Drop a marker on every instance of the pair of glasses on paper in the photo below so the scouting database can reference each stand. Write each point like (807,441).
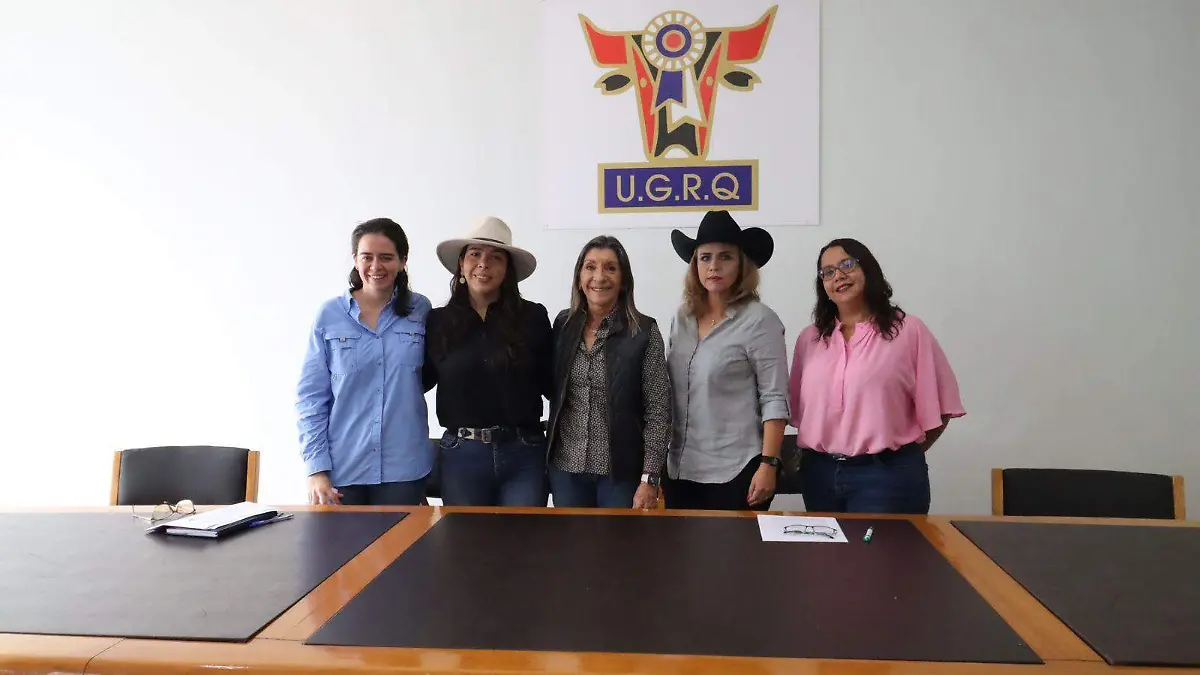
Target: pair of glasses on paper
(183,507)
(811,530)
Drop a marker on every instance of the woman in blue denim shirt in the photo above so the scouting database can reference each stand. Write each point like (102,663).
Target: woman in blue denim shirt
(364,425)
(489,353)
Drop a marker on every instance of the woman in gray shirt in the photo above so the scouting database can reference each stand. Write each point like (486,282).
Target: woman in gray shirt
(728,367)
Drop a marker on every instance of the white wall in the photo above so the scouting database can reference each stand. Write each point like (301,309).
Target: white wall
(178,181)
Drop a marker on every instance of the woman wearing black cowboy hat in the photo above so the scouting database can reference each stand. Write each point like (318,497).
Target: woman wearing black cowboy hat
(729,373)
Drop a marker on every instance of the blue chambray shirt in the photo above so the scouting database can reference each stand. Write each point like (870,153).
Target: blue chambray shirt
(361,404)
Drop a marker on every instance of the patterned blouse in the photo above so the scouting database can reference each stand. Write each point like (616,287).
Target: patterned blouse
(582,445)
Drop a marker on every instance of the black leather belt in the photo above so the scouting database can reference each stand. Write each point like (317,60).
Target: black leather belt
(495,434)
(880,457)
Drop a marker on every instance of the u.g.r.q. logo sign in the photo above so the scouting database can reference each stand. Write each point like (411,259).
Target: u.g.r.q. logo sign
(675,66)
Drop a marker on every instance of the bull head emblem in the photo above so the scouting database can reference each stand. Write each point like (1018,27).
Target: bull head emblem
(676,66)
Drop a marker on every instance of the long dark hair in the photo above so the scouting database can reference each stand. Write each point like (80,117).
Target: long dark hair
(877,292)
(392,230)
(506,315)
(626,307)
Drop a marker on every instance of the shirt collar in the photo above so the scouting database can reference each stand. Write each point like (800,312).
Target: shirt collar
(731,311)
(351,305)
(860,329)
(609,318)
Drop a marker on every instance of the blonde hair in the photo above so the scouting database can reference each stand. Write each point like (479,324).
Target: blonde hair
(745,287)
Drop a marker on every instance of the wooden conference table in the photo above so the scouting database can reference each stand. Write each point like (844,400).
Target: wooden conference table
(456,593)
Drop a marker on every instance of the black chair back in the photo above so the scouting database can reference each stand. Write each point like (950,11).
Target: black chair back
(788,481)
(207,475)
(1086,493)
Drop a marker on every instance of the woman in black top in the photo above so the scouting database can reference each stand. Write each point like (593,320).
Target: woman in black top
(488,351)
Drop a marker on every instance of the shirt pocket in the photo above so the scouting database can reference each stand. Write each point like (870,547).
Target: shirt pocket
(343,351)
(409,343)
(733,362)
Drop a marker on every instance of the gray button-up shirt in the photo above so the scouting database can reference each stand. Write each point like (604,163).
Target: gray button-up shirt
(725,386)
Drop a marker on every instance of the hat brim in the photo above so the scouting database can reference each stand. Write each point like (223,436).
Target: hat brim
(524,261)
(684,245)
(756,243)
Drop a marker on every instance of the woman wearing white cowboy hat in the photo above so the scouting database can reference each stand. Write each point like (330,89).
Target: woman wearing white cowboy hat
(728,365)
(488,352)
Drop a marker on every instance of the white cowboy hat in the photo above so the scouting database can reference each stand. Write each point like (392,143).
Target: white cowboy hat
(491,231)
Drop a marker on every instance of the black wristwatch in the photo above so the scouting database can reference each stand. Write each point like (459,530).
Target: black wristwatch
(651,479)
(773,461)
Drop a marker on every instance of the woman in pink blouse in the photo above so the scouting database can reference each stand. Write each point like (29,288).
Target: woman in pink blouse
(870,392)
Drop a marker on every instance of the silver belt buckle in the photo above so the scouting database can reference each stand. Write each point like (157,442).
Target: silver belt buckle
(483,435)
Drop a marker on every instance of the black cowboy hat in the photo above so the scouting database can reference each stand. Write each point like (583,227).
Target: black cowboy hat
(720,227)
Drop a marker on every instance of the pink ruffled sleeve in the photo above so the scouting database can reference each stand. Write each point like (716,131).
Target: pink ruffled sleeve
(936,391)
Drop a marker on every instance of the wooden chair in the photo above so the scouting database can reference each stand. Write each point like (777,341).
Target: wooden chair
(1086,493)
(207,475)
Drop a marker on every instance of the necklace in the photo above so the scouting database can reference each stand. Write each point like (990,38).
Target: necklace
(713,320)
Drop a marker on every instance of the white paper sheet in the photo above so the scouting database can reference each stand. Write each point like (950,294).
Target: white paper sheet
(772,528)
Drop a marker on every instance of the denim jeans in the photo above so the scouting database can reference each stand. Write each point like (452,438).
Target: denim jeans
(590,490)
(891,482)
(399,493)
(506,473)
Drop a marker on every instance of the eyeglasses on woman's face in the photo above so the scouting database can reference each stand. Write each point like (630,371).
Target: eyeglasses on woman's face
(846,266)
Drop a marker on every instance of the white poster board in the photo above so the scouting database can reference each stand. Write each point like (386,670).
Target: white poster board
(653,113)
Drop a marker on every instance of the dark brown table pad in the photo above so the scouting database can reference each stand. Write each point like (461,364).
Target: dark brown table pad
(1131,592)
(673,585)
(99,574)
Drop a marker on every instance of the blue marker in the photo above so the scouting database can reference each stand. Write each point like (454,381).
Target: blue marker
(274,519)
